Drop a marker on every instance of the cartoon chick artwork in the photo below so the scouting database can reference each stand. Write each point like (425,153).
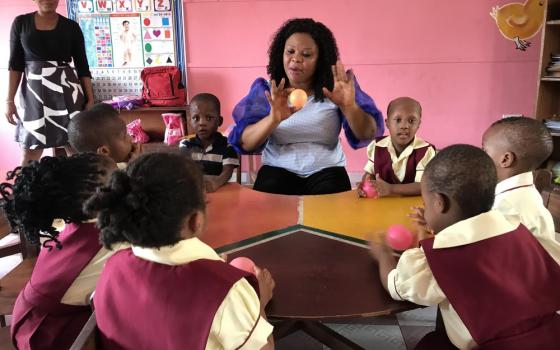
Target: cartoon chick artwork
(520,21)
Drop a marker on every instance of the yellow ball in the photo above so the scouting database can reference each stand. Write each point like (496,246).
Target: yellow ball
(297,98)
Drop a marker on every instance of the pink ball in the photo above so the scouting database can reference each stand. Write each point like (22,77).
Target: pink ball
(244,264)
(369,190)
(399,237)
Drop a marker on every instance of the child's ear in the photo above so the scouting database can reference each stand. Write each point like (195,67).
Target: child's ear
(104,150)
(387,122)
(195,224)
(507,159)
(442,203)
(220,120)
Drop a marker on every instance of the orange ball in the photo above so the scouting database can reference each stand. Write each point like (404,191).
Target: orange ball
(297,98)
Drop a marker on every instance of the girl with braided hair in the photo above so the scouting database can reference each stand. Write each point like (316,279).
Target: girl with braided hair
(53,307)
(170,287)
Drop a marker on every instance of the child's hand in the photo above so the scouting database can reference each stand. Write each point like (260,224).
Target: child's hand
(417,217)
(278,99)
(136,151)
(378,249)
(383,188)
(266,285)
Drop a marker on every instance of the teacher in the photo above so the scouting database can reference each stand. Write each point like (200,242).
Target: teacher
(42,45)
(301,149)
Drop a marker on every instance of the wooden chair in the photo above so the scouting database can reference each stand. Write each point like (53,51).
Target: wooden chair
(542,178)
(87,339)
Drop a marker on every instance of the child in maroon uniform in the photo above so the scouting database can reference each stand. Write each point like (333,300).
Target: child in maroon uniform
(54,305)
(496,287)
(171,290)
(396,162)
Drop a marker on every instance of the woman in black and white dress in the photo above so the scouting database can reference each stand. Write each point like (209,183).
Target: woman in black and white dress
(42,45)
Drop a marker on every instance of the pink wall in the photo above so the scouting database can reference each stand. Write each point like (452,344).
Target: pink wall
(448,55)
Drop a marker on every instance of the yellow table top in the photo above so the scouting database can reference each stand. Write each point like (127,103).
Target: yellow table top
(347,214)
(236,213)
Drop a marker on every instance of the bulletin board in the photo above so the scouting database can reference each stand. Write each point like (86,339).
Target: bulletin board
(124,36)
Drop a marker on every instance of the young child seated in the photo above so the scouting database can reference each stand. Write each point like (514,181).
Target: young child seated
(518,146)
(209,147)
(396,162)
(170,283)
(54,305)
(495,285)
(100,130)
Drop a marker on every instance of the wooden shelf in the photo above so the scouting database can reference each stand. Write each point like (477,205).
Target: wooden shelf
(550,79)
(554,22)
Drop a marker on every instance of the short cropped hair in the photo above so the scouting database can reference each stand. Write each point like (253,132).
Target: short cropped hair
(95,127)
(465,174)
(207,97)
(528,138)
(401,100)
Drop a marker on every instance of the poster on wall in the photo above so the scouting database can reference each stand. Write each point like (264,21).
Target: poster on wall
(124,36)
(519,22)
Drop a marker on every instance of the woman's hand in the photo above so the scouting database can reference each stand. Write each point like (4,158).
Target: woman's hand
(343,92)
(278,99)
(11,113)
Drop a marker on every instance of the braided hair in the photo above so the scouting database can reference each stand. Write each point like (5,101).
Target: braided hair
(147,204)
(328,53)
(48,189)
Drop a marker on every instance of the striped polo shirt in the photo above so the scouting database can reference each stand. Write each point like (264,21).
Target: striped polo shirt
(214,157)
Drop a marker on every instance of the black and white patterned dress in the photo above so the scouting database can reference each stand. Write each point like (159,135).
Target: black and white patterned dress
(50,92)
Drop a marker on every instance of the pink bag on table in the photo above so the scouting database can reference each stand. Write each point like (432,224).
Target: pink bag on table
(134,129)
(174,128)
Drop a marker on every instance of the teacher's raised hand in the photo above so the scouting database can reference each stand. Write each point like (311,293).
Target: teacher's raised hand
(343,92)
(278,99)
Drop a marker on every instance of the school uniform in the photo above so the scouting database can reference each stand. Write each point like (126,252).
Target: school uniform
(520,202)
(408,167)
(214,157)
(178,297)
(54,305)
(495,285)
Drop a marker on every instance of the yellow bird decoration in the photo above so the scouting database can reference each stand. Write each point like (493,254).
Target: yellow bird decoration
(519,22)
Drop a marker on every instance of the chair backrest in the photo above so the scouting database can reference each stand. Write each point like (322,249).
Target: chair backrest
(22,246)
(87,339)
(542,178)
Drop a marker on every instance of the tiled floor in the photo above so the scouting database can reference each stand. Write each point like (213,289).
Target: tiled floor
(400,332)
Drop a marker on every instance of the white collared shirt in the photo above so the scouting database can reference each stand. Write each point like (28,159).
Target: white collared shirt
(399,162)
(520,202)
(413,280)
(238,313)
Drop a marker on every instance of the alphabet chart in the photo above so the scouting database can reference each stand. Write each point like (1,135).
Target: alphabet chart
(124,36)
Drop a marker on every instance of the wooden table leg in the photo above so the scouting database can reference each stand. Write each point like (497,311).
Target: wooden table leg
(327,336)
(285,328)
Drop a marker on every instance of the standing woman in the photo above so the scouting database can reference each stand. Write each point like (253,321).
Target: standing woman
(302,151)
(42,44)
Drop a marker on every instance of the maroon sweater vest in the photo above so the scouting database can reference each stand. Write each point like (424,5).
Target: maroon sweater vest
(140,304)
(383,165)
(40,320)
(505,289)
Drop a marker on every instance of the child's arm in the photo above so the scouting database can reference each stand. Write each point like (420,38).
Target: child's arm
(386,189)
(384,256)
(212,183)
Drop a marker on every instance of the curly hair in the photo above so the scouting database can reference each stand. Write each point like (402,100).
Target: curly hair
(466,174)
(328,53)
(48,189)
(147,205)
(528,138)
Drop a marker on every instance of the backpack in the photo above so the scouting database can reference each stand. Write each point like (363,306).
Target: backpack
(162,86)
